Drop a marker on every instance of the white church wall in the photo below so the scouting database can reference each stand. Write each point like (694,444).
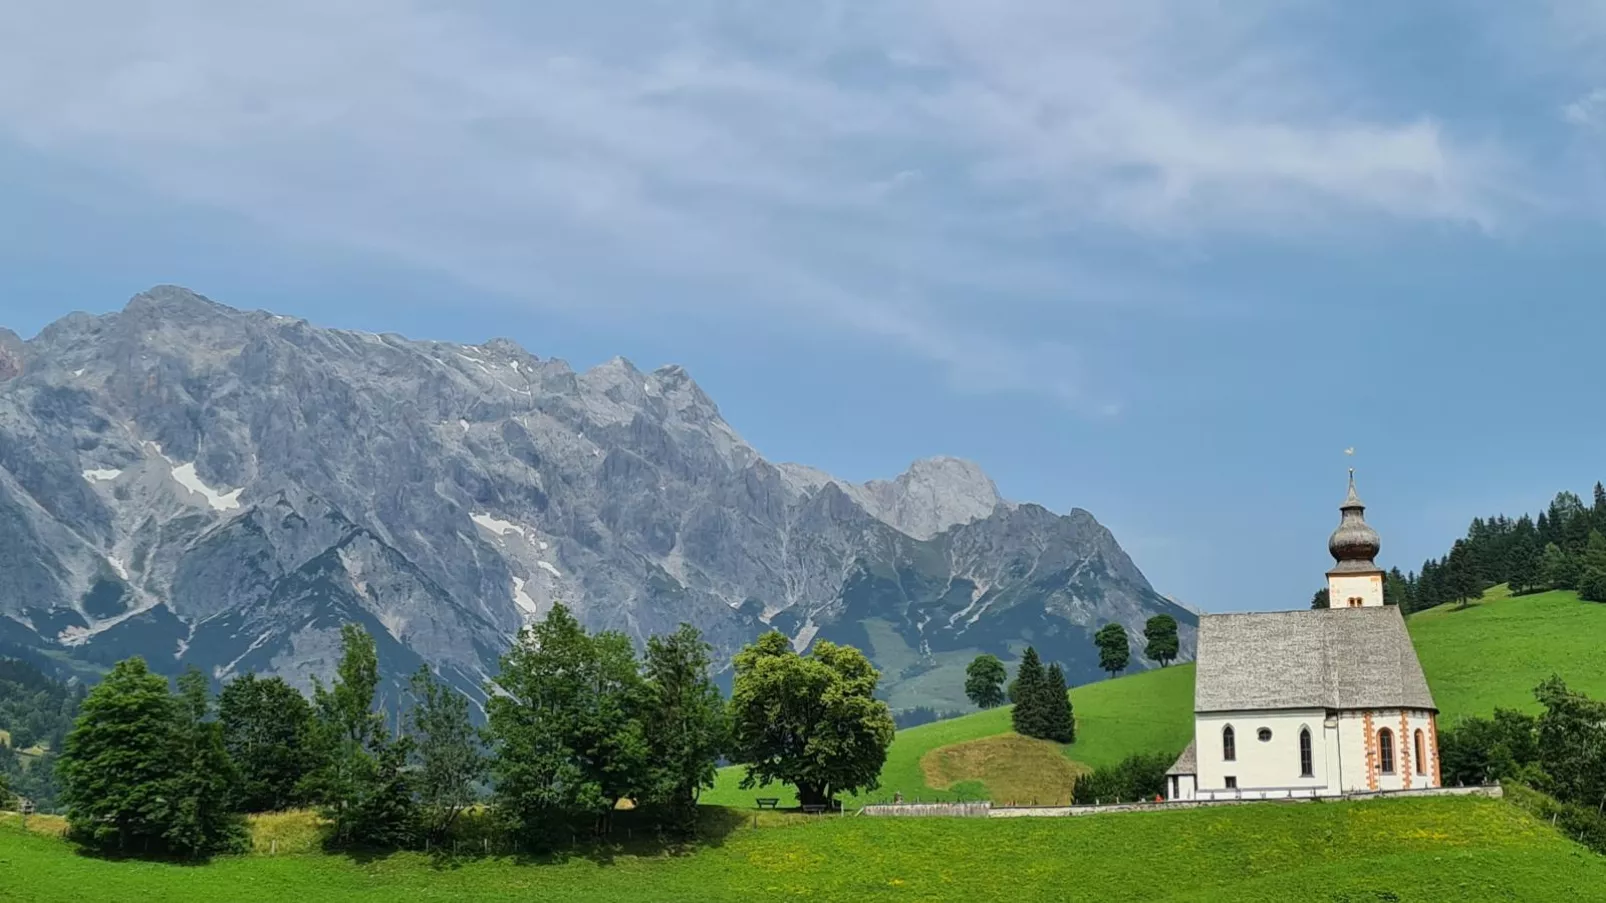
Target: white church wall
(1269,766)
(1341,588)
(1361,752)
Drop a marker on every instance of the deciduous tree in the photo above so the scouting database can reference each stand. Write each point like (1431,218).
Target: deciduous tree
(202,818)
(447,752)
(810,721)
(1114,650)
(984,681)
(118,761)
(1161,632)
(685,723)
(267,730)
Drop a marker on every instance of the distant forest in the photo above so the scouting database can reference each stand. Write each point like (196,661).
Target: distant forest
(36,712)
(1563,548)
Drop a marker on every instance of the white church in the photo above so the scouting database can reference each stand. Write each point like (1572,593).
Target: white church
(1319,702)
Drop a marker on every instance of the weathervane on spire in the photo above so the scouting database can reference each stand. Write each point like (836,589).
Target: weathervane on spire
(1350,452)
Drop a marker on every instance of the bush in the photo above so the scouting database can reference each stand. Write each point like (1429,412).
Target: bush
(1137,777)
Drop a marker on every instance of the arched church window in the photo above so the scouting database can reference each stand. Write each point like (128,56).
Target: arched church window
(1421,760)
(1307,767)
(1229,745)
(1385,750)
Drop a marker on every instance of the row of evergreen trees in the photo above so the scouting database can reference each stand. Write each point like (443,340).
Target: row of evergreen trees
(1564,547)
(1042,701)
(36,712)
(575,723)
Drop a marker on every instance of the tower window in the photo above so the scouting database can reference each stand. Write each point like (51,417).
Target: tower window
(1385,750)
(1229,745)
(1421,760)
(1355,602)
(1307,767)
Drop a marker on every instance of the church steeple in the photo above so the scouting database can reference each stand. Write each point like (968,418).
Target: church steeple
(1355,580)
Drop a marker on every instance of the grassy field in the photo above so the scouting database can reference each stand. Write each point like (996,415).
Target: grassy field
(1149,711)
(1399,850)
(1496,651)
(1491,654)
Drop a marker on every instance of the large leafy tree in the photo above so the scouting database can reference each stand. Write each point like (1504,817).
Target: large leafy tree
(984,681)
(1572,743)
(1161,632)
(363,781)
(685,723)
(117,764)
(1026,691)
(566,724)
(810,721)
(446,747)
(267,730)
(202,818)
(1114,650)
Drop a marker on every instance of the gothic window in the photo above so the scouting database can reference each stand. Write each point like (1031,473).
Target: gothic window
(1307,768)
(1229,745)
(1385,750)
(1421,760)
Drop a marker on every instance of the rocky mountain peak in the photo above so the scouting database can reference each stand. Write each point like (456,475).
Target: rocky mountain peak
(10,355)
(200,486)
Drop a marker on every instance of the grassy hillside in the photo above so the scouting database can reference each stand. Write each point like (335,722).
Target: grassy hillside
(1490,654)
(1150,711)
(1401,850)
(1494,652)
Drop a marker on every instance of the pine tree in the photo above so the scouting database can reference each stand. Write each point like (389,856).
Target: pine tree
(1557,569)
(117,767)
(1059,723)
(1322,599)
(1028,717)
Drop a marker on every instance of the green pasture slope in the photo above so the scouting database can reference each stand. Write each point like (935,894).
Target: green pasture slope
(1493,653)
(1399,850)
(1490,654)
(1149,711)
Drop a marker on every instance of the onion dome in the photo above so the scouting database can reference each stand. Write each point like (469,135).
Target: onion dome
(1354,544)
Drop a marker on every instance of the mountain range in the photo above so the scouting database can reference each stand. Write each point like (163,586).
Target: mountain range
(206,486)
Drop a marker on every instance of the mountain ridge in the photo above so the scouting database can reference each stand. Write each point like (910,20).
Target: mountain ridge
(206,485)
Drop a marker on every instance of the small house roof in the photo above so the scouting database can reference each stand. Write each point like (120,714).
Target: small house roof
(1187,763)
(1339,658)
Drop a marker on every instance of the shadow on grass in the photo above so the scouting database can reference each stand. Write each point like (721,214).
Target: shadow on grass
(633,836)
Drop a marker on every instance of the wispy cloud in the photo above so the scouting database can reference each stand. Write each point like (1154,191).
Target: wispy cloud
(891,169)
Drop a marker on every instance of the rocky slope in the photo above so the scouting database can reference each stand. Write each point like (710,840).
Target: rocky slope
(203,485)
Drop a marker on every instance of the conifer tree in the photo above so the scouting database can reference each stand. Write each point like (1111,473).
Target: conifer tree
(1320,599)
(1028,716)
(1060,723)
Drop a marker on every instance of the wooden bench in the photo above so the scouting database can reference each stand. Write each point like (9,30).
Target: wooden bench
(813,809)
(768,802)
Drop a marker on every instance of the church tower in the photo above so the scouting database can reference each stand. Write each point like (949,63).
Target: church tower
(1355,580)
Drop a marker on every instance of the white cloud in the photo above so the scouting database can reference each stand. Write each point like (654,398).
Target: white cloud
(1588,111)
(894,169)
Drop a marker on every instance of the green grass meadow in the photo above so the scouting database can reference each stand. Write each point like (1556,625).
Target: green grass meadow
(1149,711)
(1494,652)
(1397,850)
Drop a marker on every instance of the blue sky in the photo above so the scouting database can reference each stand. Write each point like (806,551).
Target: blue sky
(1160,260)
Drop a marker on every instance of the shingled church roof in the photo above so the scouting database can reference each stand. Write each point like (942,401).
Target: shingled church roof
(1340,658)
